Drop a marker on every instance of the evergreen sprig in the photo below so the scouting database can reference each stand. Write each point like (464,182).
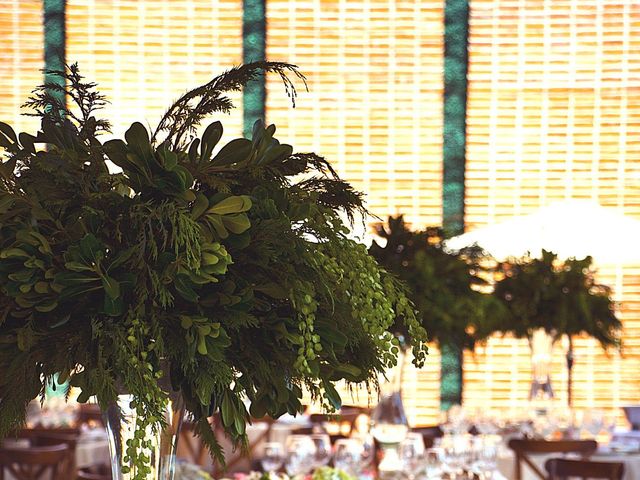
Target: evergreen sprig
(213,267)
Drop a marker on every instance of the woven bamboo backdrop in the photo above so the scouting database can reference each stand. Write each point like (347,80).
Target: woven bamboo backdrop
(21,59)
(554,114)
(146,54)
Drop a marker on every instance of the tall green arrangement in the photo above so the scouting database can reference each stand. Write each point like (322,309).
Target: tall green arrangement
(224,271)
(445,286)
(562,297)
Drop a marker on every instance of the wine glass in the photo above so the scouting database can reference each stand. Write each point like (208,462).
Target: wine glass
(348,455)
(433,463)
(300,457)
(593,421)
(272,457)
(411,454)
(454,449)
(486,456)
(322,454)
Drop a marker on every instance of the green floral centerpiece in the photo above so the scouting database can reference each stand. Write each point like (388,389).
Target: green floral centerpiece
(223,273)
(546,298)
(449,288)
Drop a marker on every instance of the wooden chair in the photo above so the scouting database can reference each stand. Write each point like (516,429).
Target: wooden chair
(52,439)
(525,447)
(95,472)
(34,463)
(429,434)
(561,468)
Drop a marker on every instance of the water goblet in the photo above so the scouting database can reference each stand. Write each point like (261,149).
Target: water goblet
(433,463)
(322,455)
(411,454)
(272,457)
(300,456)
(348,455)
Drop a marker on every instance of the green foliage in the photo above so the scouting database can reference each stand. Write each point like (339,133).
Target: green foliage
(561,297)
(443,285)
(224,270)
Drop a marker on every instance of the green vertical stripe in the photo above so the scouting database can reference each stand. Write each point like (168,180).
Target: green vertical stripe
(456,33)
(254,46)
(54,40)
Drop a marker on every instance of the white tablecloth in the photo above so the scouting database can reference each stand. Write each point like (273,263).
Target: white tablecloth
(92,449)
(506,464)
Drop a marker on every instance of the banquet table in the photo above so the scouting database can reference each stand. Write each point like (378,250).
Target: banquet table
(506,463)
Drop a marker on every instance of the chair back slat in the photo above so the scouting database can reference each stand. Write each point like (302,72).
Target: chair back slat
(522,448)
(561,468)
(35,463)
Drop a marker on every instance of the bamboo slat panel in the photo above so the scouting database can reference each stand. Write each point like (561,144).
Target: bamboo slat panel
(554,89)
(21,59)
(144,55)
(374,109)
(374,106)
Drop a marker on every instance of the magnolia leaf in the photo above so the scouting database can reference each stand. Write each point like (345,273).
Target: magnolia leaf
(210,139)
(8,132)
(216,222)
(77,267)
(111,287)
(236,223)
(193,150)
(228,410)
(233,152)
(332,395)
(13,252)
(200,205)
(233,204)
(184,288)
(46,307)
(137,138)
(28,142)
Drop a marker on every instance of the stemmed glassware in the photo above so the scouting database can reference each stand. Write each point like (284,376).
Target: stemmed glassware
(348,455)
(272,457)
(412,455)
(593,421)
(300,456)
(433,463)
(322,451)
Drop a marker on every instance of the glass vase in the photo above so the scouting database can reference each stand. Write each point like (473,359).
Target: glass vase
(389,424)
(120,420)
(541,343)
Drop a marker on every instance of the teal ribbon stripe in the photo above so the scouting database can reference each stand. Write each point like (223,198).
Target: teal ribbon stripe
(254,48)
(456,59)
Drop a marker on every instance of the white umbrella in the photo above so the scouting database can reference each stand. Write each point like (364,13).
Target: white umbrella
(574,228)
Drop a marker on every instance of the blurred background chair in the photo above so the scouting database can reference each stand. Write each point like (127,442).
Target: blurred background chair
(35,463)
(523,448)
(561,468)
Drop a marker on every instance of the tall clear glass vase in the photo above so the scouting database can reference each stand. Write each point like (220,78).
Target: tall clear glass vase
(541,343)
(389,424)
(120,420)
